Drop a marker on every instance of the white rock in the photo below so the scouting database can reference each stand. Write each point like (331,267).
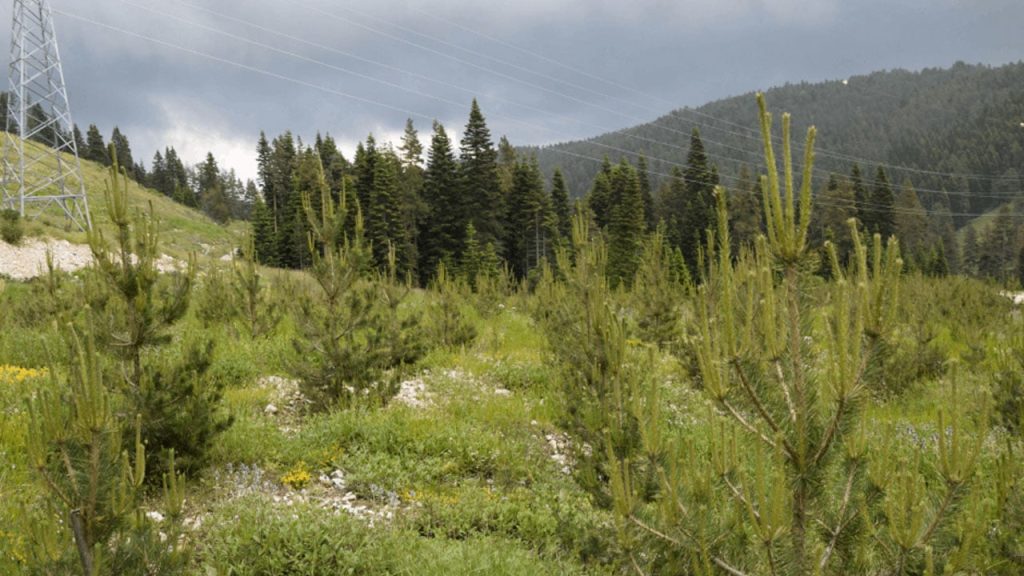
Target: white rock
(270,409)
(155,516)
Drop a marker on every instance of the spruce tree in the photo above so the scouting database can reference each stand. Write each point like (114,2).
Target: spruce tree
(478,175)
(699,181)
(384,224)
(942,227)
(80,144)
(36,117)
(599,198)
(412,207)
(95,149)
(626,229)
(283,160)
(334,163)
(644,178)
(672,203)
(560,205)
(263,236)
(293,233)
(365,169)
(411,149)
(264,176)
(883,216)
(442,234)
(971,252)
(745,214)
(830,222)
(507,160)
(124,151)
(527,239)
(861,197)
(912,226)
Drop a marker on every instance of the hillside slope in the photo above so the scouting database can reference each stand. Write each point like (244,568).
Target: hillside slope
(965,119)
(183,229)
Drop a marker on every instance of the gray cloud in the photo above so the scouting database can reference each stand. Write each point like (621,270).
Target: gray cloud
(669,53)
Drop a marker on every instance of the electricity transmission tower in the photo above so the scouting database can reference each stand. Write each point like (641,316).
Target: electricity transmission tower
(40,156)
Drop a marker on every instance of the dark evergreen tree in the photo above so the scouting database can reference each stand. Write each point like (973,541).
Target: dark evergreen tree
(916,241)
(745,214)
(293,230)
(971,252)
(600,197)
(413,209)
(507,160)
(627,226)
(178,187)
(384,222)
(478,177)
(95,149)
(411,149)
(881,215)
(38,129)
(942,227)
(699,181)
(263,236)
(560,206)
(283,161)
(837,205)
(76,135)
(364,167)
(861,197)
(158,177)
(644,178)
(442,234)
(264,175)
(124,150)
(528,239)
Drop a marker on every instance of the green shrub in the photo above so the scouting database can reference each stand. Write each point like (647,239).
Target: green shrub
(11,228)
(251,537)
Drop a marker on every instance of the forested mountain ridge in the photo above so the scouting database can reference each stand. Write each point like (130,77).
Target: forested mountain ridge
(964,120)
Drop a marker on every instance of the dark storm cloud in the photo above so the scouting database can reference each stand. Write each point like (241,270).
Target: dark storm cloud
(655,55)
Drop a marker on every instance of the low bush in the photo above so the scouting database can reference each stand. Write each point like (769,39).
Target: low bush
(11,228)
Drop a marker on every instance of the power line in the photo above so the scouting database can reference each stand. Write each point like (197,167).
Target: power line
(750,133)
(406,111)
(625,132)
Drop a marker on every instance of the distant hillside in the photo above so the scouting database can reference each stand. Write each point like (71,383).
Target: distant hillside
(965,120)
(183,229)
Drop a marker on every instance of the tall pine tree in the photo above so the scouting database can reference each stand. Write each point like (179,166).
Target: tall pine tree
(627,226)
(561,207)
(699,181)
(478,174)
(442,234)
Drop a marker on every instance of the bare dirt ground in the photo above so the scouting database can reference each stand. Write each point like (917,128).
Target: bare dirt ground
(28,259)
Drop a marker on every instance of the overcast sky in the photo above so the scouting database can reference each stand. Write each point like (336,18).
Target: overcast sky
(544,71)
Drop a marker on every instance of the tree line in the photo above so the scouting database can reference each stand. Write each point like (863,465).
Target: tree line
(477,206)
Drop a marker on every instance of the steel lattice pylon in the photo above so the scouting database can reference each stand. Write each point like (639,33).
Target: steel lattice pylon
(37,110)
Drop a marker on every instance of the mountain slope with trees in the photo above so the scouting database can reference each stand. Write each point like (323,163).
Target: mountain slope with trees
(964,120)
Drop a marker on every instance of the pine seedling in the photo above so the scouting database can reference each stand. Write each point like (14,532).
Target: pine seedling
(259,312)
(451,327)
(95,484)
(818,497)
(138,309)
(351,334)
